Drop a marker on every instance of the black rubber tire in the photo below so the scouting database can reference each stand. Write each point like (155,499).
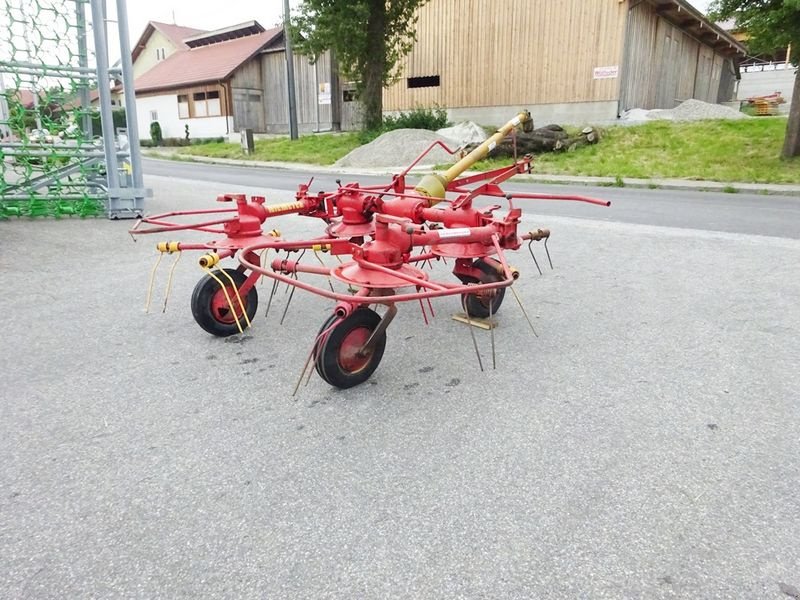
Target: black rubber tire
(319,343)
(209,319)
(328,363)
(477,306)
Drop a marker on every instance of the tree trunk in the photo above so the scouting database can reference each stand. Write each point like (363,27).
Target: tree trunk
(372,95)
(791,145)
(545,139)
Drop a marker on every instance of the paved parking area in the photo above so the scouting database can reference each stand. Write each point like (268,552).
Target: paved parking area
(644,446)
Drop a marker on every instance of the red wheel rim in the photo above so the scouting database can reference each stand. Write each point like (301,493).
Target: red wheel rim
(221,310)
(349,359)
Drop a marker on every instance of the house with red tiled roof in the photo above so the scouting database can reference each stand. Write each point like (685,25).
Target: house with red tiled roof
(157,42)
(220,82)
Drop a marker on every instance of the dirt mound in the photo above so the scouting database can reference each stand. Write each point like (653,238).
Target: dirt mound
(690,110)
(398,148)
(464,133)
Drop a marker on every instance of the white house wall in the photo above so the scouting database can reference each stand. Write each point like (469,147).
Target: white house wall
(166,108)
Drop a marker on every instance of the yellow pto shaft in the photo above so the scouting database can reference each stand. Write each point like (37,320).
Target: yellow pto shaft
(434,185)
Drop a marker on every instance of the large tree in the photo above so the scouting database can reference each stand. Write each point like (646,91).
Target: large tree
(770,24)
(368,38)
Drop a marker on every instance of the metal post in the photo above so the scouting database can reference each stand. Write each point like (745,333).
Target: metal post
(83,63)
(316,86)
(5,130)
(29,54)
(106,118)
(130,95)
(290,73)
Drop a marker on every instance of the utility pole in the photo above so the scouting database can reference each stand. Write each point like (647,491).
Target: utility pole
(290,73)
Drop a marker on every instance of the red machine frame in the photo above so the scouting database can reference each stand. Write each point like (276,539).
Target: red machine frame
(388,232)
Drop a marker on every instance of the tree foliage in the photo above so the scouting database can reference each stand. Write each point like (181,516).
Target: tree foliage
(770,25)
(369,38)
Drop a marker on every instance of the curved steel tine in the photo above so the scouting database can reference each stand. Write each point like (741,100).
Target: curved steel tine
(472,333)
(548,252)
(533,256)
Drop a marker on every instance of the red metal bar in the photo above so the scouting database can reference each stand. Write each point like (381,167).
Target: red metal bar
(450,289)
(292,266)
(183,213)
(503,173)
(569,197)
(422,257)
(399,274)
(424,153)
(167,226)
(182,247)
(404,195)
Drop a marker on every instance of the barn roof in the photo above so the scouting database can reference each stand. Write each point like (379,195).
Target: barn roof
(694,22)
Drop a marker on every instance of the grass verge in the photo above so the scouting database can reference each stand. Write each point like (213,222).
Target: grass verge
(319,149)
(746,151)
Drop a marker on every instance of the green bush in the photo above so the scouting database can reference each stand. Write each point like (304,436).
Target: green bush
(212,140)
(178,142)
(155,133)
(174,142)
(418,118)
(365,136)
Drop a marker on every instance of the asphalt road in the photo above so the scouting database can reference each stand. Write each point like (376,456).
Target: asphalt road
(645,445)
(732,213)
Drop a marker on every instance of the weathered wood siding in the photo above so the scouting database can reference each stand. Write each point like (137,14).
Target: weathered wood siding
(512,52)
(308,78)
(727,82)
(248,98)
(663,65)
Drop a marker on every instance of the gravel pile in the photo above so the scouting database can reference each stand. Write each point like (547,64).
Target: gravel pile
(690,110)
(464,133)
(398,148)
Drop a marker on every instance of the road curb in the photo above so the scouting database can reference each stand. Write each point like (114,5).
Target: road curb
(771,189)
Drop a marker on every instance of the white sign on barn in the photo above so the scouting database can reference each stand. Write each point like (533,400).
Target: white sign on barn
(606,72)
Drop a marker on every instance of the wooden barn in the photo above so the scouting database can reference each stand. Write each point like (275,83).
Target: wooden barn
(324,101)
(566,60)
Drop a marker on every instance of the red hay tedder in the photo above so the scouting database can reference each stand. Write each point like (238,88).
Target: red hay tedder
(383,237)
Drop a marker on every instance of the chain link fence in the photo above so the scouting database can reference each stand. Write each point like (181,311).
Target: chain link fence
(64,143)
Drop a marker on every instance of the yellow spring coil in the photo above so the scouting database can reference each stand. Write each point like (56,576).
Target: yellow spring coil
(168,247)
(209,260)
(227,297)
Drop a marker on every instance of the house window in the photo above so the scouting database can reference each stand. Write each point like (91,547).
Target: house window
(200,109)
(183,106)
(214,106)
(161,53)
(197,104)
(153,116)
(419,82)
(206,104)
